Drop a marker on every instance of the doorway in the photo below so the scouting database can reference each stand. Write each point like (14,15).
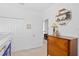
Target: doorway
(45,29)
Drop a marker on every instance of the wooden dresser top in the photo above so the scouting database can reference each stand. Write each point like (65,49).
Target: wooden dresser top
(64,37)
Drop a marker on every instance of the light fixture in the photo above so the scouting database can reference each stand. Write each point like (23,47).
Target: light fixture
(63,17)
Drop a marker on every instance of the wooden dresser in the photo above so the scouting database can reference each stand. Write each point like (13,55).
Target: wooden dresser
(61,46)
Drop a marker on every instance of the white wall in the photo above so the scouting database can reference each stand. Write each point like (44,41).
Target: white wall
(71,29)
(23,38)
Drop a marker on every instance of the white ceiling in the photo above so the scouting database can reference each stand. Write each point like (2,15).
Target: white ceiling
(39,7)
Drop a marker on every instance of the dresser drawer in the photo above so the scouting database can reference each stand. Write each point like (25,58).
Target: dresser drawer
(50,50)
(54,50)
(61,43)
(51,40)
(59,52)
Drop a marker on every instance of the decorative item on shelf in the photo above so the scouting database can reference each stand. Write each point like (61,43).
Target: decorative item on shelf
(55,29)
(63,17)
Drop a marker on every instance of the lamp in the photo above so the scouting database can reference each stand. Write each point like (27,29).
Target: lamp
(55,29)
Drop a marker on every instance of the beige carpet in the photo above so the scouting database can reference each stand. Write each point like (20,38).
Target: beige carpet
(42,51)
